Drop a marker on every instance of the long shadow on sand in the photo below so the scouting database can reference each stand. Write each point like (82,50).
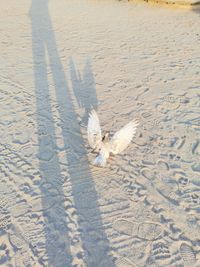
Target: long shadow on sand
(57,229)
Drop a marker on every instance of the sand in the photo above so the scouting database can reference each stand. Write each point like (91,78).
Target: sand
(128,60)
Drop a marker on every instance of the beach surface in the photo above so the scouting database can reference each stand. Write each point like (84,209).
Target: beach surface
(127,60)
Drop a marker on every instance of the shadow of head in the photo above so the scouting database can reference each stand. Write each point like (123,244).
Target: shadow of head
(83,86)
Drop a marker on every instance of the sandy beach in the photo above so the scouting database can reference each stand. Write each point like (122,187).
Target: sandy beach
(128,60)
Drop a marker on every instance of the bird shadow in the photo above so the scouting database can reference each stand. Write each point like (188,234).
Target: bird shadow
(75,219)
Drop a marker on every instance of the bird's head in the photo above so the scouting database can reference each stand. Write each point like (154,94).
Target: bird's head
(106,137)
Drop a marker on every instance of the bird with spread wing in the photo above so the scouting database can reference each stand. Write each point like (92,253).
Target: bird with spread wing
(105,146)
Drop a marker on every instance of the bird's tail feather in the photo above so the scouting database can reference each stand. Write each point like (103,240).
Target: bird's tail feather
(100,160)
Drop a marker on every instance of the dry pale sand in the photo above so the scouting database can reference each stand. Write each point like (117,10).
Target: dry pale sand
(128,60)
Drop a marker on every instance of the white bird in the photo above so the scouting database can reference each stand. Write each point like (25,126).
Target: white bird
(105,146)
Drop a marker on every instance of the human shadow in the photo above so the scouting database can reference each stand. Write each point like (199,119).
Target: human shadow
(196,8)
(58,232)
(84,87)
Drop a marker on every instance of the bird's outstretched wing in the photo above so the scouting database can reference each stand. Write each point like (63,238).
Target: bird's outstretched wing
(123,137)
(94,130)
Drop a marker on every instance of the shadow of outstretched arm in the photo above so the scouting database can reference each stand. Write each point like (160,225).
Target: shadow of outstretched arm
(84,88)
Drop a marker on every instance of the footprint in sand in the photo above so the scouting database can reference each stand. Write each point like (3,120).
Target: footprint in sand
(165,106)
(5,221)
(145,230)
(162,165)
(171,102)
(151,125)
(168,193)
(196,147)
(147,114)
(188,255)
(16,241)
(160,251)
(183,183)
(192,199)
(124,262)
(149,174)
(38,205)
(125,227)
(21,258)
(196,167)
(4,254)
(149,231)
(19,209)
(46,155)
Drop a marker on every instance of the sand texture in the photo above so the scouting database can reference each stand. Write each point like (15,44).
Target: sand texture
(128,60)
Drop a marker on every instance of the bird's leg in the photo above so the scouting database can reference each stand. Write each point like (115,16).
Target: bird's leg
(111,158)
(93,150)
